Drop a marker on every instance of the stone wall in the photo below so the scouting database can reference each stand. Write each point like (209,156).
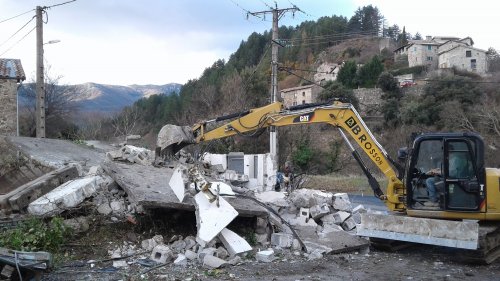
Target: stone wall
(369,101)
(8,103)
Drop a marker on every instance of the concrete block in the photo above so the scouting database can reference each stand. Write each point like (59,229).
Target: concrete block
(359,209)
(328,219)
(235,260)
(210,218)
(265,256)
(117,206)
(22,196)
(176,183)
(282,240)
(181,260)
(341,202)
(304,214)
(340,216)
(190,242)
(319,211)
(234,243)
(162,254)
(213,262)
(68,195)
(158,239)
(306,198)
(296,244)
(148,244)
(349,224)
(190,255)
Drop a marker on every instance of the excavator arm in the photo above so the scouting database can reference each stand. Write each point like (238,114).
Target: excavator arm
(338,114)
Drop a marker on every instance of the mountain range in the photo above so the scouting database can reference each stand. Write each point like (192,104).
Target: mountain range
(106,98)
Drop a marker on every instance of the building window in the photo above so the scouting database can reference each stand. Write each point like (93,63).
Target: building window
(473,64)
(303,102)
(429,58)
(303,94)
(468,54)
(429,47)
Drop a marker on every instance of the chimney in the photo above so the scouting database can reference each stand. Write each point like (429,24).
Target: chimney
(428,38)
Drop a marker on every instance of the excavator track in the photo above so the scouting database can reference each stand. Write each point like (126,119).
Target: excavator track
(489,246)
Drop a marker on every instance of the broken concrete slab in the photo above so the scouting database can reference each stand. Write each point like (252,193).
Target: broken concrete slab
(68,195)
(234,243)
(306,198)
(148,186)
(337,241)
(265,256)
(272,197)
(212,217)
(132,154)
(20,197)
(56,153)
(176,183)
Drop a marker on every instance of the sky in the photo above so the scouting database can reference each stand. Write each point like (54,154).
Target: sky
(125,42)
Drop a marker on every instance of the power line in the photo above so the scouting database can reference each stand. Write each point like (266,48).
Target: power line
(17,16)
(60,4)
(16,32)
(18,41)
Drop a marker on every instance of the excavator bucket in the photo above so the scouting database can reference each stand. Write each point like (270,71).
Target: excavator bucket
(455,234)
(171,139)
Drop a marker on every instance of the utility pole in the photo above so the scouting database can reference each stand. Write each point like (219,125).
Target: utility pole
(40,91)
(277,14)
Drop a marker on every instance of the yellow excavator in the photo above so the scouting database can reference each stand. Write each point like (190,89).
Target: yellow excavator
(455,205)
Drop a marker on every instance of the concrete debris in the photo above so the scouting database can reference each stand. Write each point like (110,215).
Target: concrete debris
(181,260)
(68,195)
(235,260)
(104,209)
(221,253)
(273,197)
(21,197)
(339,217)
(356,217)
(7,271)
(319,211)
(132,154)
(79,224)
(162,254)
(120,264)
(176,183)
(117,206)
(265,256)
(212,217)
(341,202)
(282,240)
(306,198)
(190,255)
(234,243)
(359,209)
(178,246)
(206,251)
(213,262)
(316,254)
(349,224)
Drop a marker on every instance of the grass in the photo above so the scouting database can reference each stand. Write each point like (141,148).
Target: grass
(355,184)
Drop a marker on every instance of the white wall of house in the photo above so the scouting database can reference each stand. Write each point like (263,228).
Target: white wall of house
(258,167)
(465,58)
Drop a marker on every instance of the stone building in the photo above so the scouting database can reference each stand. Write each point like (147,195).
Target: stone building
(300,95)
(444,52)
(11,73)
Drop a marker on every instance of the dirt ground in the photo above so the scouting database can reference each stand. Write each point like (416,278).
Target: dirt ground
(416,263)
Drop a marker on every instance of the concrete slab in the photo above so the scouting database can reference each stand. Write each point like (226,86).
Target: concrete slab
(56,153)
(234,243)
(337,241)
(148,186)
(177,183)
(20,197)
(212,218)
(68,195)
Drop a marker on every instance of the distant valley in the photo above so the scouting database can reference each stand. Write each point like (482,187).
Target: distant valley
(100,97)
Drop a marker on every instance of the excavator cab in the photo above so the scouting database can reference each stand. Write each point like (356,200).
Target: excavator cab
(446,173)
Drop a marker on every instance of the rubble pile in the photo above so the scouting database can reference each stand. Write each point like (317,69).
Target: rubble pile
(302,224)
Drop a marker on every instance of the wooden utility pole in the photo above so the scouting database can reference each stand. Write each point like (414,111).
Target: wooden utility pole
(277,13)
(40,91)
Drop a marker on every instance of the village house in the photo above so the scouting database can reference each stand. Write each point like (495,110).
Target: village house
(444,52)
(11,73)
(300,95)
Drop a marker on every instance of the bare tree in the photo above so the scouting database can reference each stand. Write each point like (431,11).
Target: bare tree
(124,123)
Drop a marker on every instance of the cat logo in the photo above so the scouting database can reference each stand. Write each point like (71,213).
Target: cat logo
(304,118)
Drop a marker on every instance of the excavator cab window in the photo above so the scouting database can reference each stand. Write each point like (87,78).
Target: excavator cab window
(461,182)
